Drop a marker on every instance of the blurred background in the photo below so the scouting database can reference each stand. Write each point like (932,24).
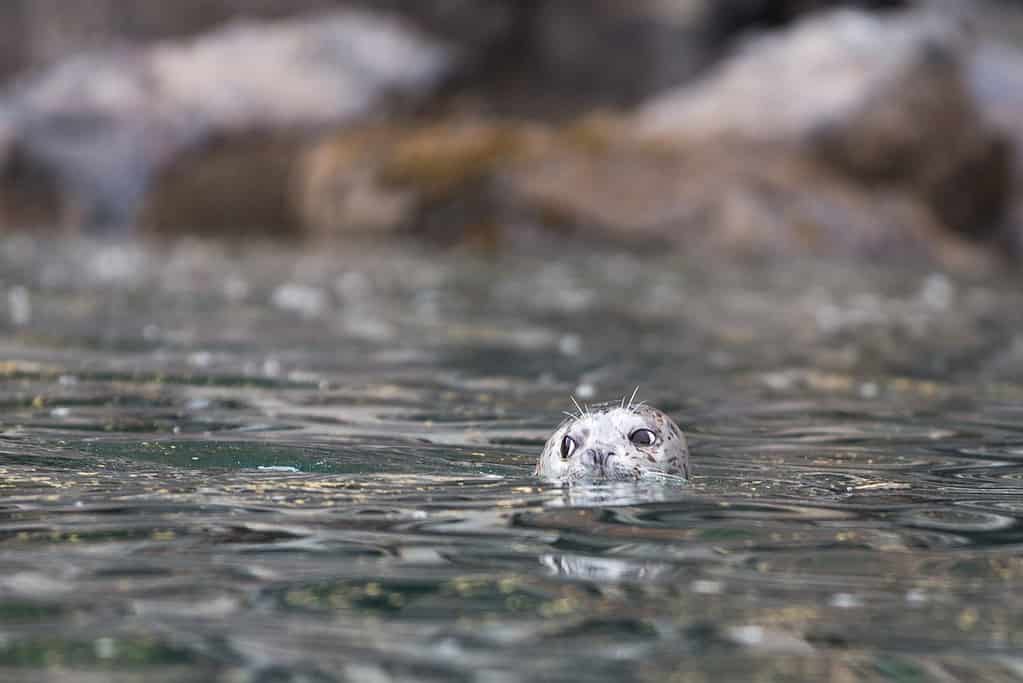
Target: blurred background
(884,128)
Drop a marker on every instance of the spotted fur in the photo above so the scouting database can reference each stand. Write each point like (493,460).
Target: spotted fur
(603,450)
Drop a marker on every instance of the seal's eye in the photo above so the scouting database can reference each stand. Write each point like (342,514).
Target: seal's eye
(643,437)
(568,446)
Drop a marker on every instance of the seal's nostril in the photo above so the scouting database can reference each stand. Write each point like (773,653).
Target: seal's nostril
(595,458)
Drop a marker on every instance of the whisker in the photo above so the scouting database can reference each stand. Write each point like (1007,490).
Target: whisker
(633,397)
(577,406)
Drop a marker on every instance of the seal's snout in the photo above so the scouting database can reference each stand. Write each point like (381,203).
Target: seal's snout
(597,458)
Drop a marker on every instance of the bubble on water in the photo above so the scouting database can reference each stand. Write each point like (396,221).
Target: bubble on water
(570,344)
(845,601)
(778,381)
(106,648)
(304,377)
(35,584)
(585,391)
(362,326)
(769,640)
(707,587)
(747,635)
(116,262)
(19,305)
(200,359)
(309,302)
(869,390)
(272,367)
(936,292)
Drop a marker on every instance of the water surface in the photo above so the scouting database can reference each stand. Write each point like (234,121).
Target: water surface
(265,465)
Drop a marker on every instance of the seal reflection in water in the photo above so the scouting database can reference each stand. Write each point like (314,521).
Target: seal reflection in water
(614,442)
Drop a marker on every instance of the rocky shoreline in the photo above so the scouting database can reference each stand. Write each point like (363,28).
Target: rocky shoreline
(868,130)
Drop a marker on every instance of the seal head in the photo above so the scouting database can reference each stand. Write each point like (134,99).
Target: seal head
(614,442)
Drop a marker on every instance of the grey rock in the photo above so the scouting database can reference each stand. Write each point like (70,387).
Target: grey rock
(104,122)
(786,86)
(37,34)
(881,99)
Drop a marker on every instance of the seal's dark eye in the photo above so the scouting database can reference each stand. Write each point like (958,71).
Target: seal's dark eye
(568,446)
(643,437)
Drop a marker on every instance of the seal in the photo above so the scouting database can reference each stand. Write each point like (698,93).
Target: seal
(614,442)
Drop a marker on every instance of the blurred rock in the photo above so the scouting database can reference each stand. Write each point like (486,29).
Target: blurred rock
(100,125)
(433,179)
(341,188)
(237,186)
(996,78)
(883,100)
(751,200)
(595,179)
